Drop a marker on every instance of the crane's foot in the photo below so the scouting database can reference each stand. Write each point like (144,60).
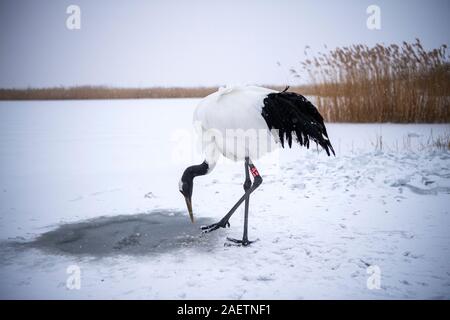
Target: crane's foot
(236,242)
(215,226)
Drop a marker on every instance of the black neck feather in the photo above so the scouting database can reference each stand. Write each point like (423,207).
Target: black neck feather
(193,171)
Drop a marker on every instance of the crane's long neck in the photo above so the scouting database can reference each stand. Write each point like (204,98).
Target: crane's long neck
(194,171)
(187,183)
(212,155)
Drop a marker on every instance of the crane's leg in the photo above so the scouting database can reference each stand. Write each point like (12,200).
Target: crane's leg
(257,180)
(247,185)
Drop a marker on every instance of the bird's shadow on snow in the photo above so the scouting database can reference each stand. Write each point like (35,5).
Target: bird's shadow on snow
(160,231)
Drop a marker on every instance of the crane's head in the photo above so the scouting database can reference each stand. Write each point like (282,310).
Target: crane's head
(186,183)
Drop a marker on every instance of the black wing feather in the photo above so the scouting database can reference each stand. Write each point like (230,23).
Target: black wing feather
(289,113)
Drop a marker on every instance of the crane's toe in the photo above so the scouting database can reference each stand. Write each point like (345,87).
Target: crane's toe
(236,242)
(215,226)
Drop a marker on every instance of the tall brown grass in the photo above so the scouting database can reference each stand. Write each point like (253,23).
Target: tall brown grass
(382,83)
(393,83)
(103,92)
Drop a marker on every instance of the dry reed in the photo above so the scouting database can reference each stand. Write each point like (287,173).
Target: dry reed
(404,84)
(102,92)
(382,83)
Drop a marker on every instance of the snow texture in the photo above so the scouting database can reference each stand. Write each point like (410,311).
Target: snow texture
(95,184)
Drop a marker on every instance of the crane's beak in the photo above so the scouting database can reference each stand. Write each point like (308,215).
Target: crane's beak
(189,207)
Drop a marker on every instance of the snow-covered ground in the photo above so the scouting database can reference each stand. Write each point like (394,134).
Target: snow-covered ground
(94,185)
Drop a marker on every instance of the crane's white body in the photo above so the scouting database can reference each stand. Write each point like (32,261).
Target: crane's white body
(230,124)
(236,122)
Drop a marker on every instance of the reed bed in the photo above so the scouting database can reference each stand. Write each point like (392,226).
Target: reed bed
(102,92)
(391,83)
(395,83)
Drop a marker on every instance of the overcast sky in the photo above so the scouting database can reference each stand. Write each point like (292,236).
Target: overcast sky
(190,43)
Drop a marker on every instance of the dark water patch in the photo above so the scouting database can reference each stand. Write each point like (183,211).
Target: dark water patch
(159,231)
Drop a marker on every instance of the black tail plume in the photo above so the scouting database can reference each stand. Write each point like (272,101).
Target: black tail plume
(289,113)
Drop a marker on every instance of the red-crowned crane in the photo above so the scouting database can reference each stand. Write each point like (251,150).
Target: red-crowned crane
(244,123)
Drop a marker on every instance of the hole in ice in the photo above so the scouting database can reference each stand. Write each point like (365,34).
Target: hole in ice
(139,234)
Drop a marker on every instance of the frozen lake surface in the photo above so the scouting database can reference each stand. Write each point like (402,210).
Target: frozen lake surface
(94,184)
